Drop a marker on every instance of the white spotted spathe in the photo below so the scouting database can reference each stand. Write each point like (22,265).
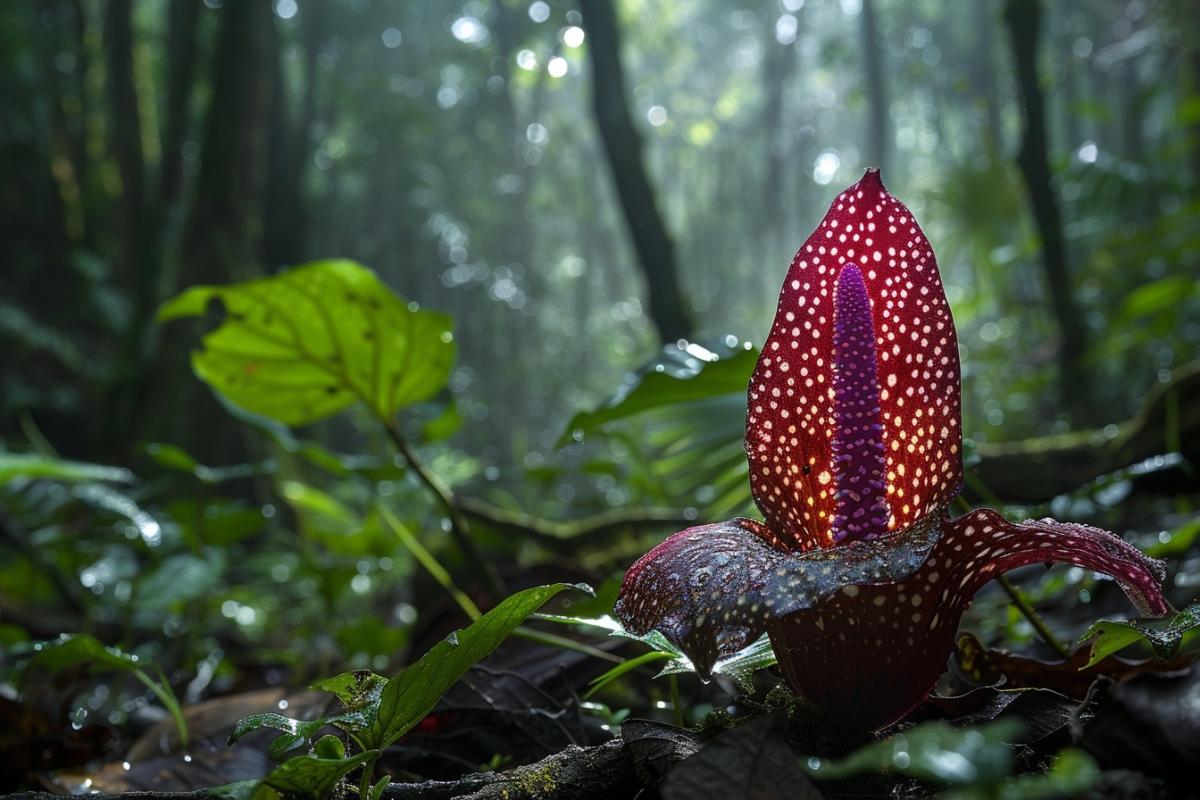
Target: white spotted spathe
(791,421)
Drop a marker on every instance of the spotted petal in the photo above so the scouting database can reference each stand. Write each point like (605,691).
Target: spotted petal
(794,417)
(869,654)
(714,589)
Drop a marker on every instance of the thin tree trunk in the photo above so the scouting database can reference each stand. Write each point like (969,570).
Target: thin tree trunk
(181,67)
(777,66)
(655,249)
(225,225)
(1023,18)
(983,69)
(223,232)
(879,127)
(285,212)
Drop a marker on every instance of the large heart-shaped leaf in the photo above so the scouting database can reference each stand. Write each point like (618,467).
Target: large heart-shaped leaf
(412,694)
(306,343)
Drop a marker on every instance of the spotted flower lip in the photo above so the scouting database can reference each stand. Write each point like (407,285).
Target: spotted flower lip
(854,443)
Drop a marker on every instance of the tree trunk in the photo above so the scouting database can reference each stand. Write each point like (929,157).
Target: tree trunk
(983,72)
(655,249)
(285,212)
(181,67)
(777,67)
(1023,18)
(872,56)
(225,225)
(223,232)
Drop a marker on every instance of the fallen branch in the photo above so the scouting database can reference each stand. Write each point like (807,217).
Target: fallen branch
(574,773)
(570,537)
(1039,469)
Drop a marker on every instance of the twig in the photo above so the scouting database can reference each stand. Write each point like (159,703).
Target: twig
(459,528)
(1035,620)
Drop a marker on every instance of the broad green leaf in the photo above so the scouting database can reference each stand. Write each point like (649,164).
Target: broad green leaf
(309,776)
(412,694)
(29,465)
(1163,635)
(678,375)
(304,344)
(931,751)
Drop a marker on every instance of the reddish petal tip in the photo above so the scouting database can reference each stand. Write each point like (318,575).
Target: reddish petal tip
(872,179)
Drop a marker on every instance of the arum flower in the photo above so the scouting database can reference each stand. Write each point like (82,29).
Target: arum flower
(854,440)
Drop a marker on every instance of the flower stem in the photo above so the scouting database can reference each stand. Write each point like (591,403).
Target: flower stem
(1034,618)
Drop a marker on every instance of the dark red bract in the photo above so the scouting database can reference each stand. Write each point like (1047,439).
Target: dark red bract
(854,440)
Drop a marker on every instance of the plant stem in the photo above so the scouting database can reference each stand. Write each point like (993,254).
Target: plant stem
(676,705)
(431,564)
(427,560)
(459,528)
(167,698)
(1035,620)
(364,785)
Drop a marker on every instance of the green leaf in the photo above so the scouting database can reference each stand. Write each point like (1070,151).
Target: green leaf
(678,375)
(1178,541)
(172,457)
(71,650)
(181,578)
(357,689)
(329,746)
(296,732)
(413,693)
(305,344)
(740,666)
(625,666)
(1073,774)
(21,465)
(380,785)
(1163,635)
(310,776)
(931,751)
